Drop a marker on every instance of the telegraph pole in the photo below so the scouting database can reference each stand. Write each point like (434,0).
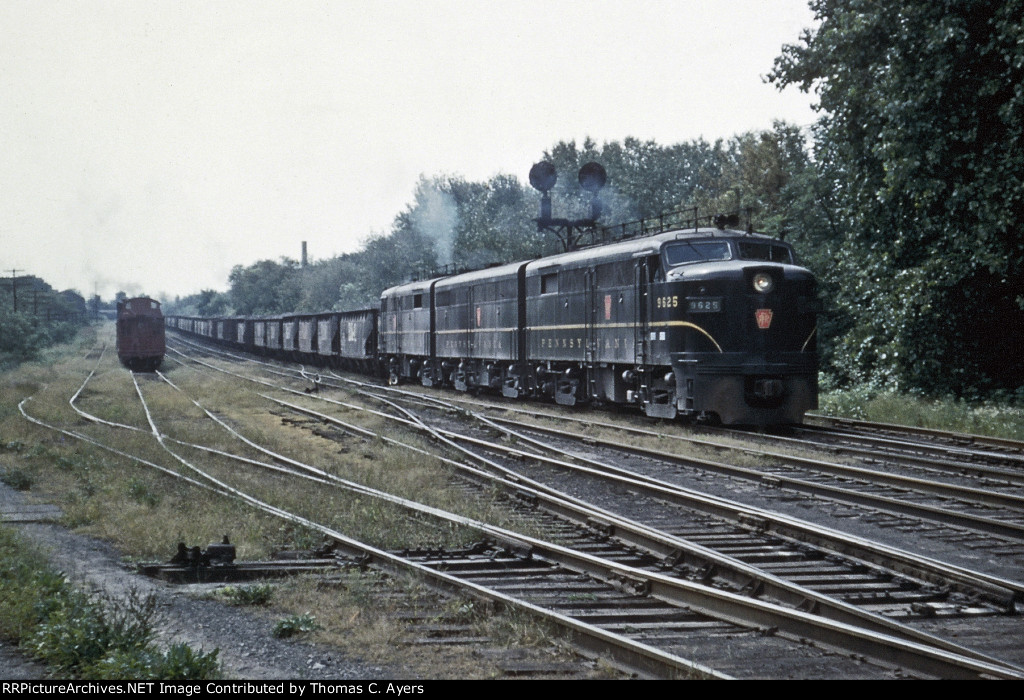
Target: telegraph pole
(14,287)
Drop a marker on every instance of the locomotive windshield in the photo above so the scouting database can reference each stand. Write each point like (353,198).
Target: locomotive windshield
(685,252)
(773,252)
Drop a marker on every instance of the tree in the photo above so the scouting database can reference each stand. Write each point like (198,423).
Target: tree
(922,142)
(266,287)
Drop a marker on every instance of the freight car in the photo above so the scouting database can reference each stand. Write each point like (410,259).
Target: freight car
(340,339)
(140,334)
(706,323)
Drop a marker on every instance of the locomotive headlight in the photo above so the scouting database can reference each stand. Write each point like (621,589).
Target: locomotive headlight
(763,283)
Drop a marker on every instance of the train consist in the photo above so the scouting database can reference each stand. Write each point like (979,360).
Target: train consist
(706,323)
(140,334)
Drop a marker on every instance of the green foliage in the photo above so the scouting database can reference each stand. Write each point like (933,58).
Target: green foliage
(24,583)
(907,211)
(247,595)
(20,339)
(748,174)
(922,145)
(38,318)
(266,287)
(80,630)
(17,479)
(995,418)
(296,624)
(81,634)
(208,302)
(179,663)
(454,224)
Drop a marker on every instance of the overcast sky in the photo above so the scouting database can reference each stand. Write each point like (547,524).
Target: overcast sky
(150,146)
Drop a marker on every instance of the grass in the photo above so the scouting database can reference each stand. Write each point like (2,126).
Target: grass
(984,418)
(81,634)
(366,613)
(145,513)
(255,594)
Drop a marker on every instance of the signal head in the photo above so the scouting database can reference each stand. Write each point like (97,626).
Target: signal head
(543,176)
(592,177)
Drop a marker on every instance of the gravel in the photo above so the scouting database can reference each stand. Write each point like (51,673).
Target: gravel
(248,651)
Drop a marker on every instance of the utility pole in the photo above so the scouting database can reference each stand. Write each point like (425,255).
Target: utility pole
(14,287)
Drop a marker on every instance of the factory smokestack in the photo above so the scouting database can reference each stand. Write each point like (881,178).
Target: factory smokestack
(305,260)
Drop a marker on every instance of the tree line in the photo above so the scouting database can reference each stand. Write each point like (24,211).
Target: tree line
(905,198)
(34,315)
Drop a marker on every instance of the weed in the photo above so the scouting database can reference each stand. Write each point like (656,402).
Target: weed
(38,450)
(300,537)
(17,479)
(180,663)
(944,414)
(85,635)
(461,611)
(141,493)
(296,624)
(515,628)
(247,595)
(80,630)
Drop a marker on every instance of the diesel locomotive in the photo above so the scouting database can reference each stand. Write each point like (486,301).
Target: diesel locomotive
(709,323)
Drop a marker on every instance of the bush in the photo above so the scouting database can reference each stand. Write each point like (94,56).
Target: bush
(16,479)
(85,635)
(81,630)
(248,595)
(296,624)
(178,663)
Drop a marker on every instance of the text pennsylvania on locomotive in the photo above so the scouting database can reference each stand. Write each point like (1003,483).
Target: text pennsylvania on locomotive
(709,323)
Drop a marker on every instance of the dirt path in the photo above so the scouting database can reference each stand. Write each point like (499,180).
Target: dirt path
(243,636)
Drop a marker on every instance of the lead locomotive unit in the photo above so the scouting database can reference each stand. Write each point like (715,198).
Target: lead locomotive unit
(711,323)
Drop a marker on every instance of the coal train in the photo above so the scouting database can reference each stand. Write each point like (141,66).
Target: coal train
(708,323)
(140,333)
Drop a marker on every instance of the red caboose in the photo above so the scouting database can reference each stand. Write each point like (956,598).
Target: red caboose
(140,334)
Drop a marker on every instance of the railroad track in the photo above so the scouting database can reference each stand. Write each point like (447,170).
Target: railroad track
(990,518)
(264,382)
(979,448)
(629,653)
(750,474)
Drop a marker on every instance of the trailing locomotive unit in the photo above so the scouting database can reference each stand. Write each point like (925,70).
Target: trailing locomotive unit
(710,323)
(140,333)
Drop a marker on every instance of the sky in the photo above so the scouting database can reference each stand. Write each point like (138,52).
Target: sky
(149,146)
